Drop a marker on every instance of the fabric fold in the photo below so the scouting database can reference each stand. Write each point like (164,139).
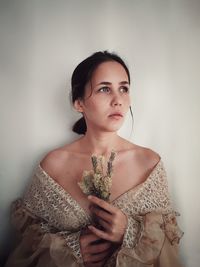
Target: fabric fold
(148,239)
(38,241)
(171,228)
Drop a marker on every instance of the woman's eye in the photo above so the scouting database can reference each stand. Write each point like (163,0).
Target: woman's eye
(125,88)
(105,87)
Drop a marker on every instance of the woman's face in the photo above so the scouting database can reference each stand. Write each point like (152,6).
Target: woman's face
(107,92)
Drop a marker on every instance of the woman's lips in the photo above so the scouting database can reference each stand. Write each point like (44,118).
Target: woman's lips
(116,116)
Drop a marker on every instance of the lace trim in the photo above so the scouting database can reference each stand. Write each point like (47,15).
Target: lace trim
(72,241)
(152,195)
(42,200)
(131,235)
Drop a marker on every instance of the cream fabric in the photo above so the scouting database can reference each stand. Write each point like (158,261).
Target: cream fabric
(49,222)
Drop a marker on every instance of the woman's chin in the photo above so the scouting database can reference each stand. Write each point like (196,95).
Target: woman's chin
(113,128)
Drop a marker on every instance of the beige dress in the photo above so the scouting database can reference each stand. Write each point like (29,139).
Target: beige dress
(49,222)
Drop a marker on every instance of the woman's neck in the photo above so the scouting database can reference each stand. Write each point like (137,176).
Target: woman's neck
(100,144)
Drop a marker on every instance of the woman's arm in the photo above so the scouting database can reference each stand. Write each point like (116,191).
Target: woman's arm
(38,240)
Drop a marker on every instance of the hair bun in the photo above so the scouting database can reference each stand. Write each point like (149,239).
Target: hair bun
(80,126)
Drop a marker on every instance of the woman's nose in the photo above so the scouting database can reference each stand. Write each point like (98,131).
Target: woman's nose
(117,100)
(117,104)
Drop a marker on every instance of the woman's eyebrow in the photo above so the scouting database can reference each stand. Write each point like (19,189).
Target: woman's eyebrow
(109,83)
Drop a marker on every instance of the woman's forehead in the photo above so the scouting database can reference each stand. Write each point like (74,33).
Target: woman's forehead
(108,71)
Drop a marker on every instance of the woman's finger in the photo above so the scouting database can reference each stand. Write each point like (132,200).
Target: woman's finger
(103,204)
(89,238)
(98,248)
(99,233)
(96,257)
(106,226)
(95,264)
(101,213)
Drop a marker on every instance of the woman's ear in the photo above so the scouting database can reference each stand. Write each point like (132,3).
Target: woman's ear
(78,105)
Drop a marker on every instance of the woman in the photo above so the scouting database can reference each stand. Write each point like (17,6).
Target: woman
(137,227)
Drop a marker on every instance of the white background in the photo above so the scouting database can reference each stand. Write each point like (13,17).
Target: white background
(42,41)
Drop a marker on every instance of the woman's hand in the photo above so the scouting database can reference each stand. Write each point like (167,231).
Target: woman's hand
(94,255)
(112,219)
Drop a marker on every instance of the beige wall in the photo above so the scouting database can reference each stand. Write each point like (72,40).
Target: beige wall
(41,41)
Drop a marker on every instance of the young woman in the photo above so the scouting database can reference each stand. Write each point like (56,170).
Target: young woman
(138,224)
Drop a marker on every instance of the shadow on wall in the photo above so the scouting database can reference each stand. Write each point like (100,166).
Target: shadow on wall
(8,245)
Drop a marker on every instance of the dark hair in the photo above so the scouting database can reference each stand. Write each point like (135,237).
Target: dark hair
(83,73)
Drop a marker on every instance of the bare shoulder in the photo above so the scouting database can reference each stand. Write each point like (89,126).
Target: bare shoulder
(53,161)
(148,157)
(141,155)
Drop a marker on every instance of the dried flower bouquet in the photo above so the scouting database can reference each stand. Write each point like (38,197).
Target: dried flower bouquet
(95,182)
